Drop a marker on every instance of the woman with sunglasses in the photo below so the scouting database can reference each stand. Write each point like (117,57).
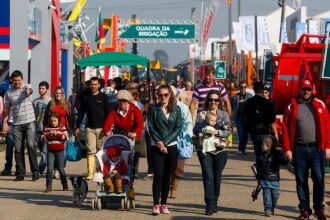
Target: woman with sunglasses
(213,163)
(164,123)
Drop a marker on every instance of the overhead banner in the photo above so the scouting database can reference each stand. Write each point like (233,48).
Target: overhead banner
(208,18)
(263,34)
(248,38)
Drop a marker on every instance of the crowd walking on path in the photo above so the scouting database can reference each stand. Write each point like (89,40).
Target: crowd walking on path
(174,120)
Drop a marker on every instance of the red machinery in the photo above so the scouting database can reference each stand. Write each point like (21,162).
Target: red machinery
(297,61)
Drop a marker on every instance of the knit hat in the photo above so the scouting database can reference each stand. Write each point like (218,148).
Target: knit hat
(306,84)
(125,95)
(113,151)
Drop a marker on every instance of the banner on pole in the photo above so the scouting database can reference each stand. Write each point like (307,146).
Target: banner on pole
(248,34)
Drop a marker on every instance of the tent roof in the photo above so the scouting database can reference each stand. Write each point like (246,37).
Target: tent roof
(113,58)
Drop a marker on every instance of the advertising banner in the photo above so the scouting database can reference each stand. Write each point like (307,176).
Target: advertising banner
(248,39)
(208,18)
(238,35)
(263,34)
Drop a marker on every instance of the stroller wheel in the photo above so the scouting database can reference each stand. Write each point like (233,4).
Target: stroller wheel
(93,204)
(122,203)
(128,204)
(98,203)
(133,204)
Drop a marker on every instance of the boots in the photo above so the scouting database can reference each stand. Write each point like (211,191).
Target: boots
(90,166)
(108,182)
(174,185)
(118,183)
(48,189)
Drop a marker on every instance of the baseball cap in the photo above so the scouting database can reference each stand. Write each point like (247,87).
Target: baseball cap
(306,84)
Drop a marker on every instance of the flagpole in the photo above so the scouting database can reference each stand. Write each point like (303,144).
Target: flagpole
(230,45)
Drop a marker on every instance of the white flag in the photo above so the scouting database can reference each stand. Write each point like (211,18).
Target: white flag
(296,4)
(248,41)
(238,35)
(209,14)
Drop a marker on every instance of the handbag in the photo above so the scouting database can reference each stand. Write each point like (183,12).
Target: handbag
(73,151)
(185,145)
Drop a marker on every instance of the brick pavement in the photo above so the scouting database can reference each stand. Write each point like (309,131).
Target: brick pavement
(25,200)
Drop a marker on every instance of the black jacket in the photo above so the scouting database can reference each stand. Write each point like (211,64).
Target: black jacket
(162,129)
(268,165)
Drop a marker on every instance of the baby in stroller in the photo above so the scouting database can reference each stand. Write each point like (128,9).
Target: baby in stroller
(114,170)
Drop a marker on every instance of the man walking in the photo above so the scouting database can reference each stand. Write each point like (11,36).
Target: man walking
(39,105)
(202,89)
(18,102)
(239,101)
(259,116)
(306,141)
(96,105)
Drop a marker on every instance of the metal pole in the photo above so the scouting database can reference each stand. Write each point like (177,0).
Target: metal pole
(281,3)
(256,45)
(192,74)
(230,46)
(238,54)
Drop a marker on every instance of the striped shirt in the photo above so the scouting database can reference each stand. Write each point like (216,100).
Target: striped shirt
(55,138)
(201,90)
(20,105)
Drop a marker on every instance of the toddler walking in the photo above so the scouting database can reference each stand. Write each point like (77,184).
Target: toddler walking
(268,174)
(55,136)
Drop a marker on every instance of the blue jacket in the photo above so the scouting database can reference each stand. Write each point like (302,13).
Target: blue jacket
(235,103)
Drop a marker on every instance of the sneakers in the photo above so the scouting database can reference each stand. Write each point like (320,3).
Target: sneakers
(304,215)
(164,209)
(155,210)
(268,213)
(149,177)
(320,215)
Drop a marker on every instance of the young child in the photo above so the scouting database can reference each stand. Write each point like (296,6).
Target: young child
(55,136)
(268,174)
(114,170)
(208,131)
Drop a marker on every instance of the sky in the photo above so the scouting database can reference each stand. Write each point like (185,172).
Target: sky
(181,10)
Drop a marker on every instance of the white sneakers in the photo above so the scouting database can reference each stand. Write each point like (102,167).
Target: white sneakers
(163,209)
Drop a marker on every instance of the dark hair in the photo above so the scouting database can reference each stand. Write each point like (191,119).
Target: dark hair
(94,78)
(102,83)
(206,103)
(110,81)
(258,87)
(45,84)
(16,73)
(209,69)
(171,102)
(55,115)
(154,90)
(243,81)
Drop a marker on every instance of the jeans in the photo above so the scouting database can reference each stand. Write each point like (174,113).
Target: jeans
(305,158)
(212,166)
(9,149)
(51,156)
(27,130)
(242,134)
(149,158)
(42,145)
(164,165)
(270,198)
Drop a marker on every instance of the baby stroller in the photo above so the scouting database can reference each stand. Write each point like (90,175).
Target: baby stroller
(127,197)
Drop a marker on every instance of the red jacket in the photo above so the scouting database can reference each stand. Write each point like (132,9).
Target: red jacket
(132,122)
(120,167)
(321,120)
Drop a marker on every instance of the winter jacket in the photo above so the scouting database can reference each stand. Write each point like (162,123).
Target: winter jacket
(268,165)
(321,122)
(120,167)
(163,129)
(132,122)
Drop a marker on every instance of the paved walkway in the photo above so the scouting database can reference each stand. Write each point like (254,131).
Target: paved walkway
(25,200)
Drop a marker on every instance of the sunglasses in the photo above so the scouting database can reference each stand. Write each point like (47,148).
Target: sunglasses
(307,89)
(165,95)
(213,100)
(266,92)
(243,87)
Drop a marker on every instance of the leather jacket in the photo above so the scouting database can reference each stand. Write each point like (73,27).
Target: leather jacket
(163,129)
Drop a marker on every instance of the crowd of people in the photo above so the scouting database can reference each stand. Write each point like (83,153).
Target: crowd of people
(204,111)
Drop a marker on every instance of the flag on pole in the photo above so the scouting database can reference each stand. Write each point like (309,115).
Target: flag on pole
(296,4)
(99,36)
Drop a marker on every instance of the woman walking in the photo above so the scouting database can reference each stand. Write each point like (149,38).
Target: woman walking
(164,123)
(213,163)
